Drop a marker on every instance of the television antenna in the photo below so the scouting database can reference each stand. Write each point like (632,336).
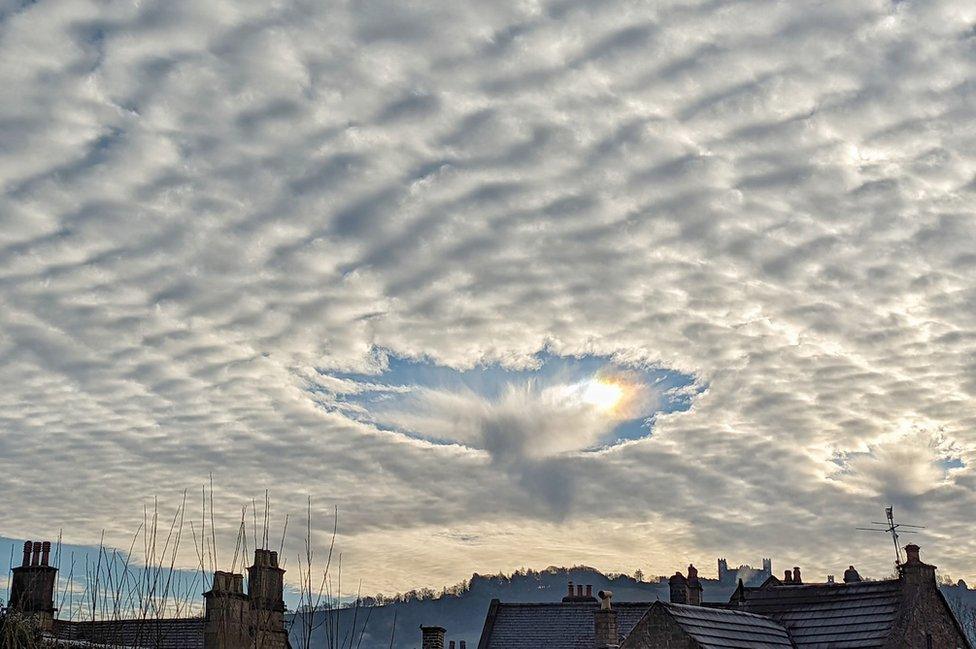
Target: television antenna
(894,529)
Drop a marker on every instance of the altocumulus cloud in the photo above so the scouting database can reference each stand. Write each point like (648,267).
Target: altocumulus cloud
(206,207)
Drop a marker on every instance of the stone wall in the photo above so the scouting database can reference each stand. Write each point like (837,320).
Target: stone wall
(658,631)
(925,620)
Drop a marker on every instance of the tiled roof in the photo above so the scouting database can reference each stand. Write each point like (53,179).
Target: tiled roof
(840,616)
(551,626)
(168,633)
(715,628)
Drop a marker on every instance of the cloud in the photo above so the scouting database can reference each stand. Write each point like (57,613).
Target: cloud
(901,469)
(203,205)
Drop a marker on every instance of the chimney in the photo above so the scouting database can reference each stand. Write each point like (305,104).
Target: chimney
(32,585)
(679,588)
(605,628)
(265,589)
(912,553)
(694,586)
(830,579)
(915,574)
(851,575)
(228,613)
(788,577)
(569,590)
(464,645)
(589,590)
(45,553)
(796,575)
(579,590)
(451,644)
(432,637)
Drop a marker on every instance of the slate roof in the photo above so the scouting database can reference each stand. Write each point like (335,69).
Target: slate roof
(552,625)
(716,628)
(840,616)
(168,633)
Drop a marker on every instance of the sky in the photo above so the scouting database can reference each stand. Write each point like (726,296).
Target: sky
(544,282)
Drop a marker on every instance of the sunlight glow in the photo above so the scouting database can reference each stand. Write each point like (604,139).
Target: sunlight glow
(602,394)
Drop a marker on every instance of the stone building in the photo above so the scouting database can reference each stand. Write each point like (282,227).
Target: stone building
(234,618)
(744,572)
(908,612)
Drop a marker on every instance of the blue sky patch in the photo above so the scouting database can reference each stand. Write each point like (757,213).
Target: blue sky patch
(372,397)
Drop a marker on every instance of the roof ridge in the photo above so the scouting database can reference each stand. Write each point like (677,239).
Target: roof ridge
(727,611)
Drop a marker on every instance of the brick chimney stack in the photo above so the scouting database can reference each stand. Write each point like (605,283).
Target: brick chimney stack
(606,631)
(679,588)
(432,637)
(32,586)
(265,589)
(228,613)
(914,573)
(579,593)
(694,587)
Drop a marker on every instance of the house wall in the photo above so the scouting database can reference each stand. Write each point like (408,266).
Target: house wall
(924,620)
(925,613)
(658,631)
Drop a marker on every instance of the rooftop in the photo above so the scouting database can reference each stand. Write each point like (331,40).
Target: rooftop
(727,629)
(858,614)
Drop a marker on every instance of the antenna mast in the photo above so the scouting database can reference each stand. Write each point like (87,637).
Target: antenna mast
(892,528)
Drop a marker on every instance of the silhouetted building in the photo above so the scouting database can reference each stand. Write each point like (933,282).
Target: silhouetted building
(744,572)
(908,612)
(234,619)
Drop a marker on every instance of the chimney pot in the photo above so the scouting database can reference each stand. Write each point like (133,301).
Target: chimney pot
(796,575)
(570,589)
(912,552)
(274,558)
(579,590)
(451,644)
(27,552)
(464,644)
(589,590)
(788,577)
(36,553)
(45,553)
(851,575)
